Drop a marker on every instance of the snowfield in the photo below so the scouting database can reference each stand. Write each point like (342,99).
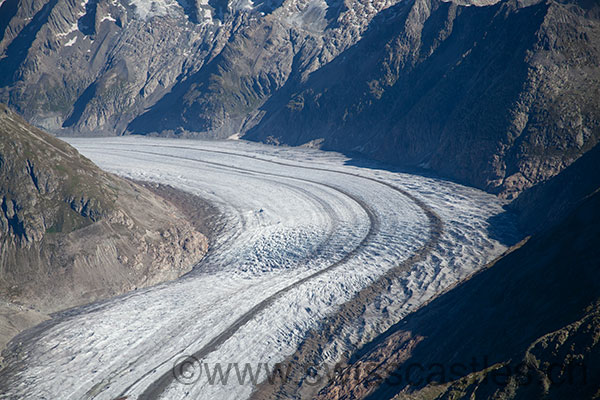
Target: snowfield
(305,231)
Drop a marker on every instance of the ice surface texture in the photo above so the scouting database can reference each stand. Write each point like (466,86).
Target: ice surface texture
(289,215)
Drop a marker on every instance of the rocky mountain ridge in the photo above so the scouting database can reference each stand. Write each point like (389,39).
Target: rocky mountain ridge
(93,67)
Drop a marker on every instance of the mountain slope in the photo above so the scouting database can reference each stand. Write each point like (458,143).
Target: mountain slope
(71,233)
(546,204)
(500,97)
(94,67)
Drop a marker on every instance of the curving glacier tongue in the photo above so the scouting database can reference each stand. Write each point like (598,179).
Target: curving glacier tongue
(304,231)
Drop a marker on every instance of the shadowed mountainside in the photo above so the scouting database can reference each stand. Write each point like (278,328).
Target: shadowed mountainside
(546,204)
(500,97)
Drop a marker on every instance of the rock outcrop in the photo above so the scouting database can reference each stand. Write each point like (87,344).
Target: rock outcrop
(71,233)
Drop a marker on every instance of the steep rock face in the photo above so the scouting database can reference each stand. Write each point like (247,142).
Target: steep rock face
(37,199)
(71,233)
(94,67)
(500,97)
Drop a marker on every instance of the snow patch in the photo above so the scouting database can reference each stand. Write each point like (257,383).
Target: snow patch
(243,5)
(108,18)
(151,8)
(72,29)
(71,42)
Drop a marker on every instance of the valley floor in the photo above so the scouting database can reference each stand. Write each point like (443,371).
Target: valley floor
(303,232)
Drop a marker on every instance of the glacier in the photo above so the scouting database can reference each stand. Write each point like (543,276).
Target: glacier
(303,232)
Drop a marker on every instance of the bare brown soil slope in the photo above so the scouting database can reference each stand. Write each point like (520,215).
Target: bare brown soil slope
(71,234)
